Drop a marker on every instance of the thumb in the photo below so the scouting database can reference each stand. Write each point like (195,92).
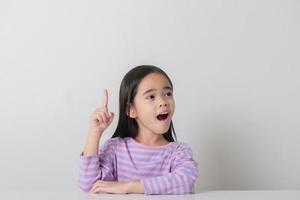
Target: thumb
(111,116)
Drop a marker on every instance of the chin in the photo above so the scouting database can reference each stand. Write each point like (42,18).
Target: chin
(162,131)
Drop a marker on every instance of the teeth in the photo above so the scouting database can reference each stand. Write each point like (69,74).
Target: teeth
(163,113)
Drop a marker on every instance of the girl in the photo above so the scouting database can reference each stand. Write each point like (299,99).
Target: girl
(142,156)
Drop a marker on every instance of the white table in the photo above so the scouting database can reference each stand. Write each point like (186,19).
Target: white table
(202,195)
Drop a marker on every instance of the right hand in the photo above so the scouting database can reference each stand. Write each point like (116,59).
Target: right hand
(101,118)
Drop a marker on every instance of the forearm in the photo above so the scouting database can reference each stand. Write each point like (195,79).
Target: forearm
(92,143)
(135,187)
(171,183)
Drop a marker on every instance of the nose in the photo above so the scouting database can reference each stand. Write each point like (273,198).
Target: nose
(163,103)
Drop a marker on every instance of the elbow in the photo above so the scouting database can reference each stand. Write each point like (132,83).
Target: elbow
(86,180)
(188,186)
(85,185)
(191,188)
(84,188)
(191,183)
(185,189)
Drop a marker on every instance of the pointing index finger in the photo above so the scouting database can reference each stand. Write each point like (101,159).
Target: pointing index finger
(105,98)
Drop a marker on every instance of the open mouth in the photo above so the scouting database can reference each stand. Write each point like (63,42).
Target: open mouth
(162,117)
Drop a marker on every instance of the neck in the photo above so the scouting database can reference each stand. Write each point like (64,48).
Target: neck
(149,140)
(147,137)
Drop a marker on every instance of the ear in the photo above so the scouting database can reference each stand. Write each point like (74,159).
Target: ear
(131,111)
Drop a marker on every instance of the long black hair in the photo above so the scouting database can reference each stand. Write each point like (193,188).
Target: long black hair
(127,126)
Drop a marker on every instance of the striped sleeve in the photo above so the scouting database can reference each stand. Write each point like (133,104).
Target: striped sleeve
(181,179)
(97,167)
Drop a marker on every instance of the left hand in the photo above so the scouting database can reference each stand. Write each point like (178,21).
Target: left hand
(113,187)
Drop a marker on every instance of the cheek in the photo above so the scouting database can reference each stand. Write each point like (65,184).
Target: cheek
(172,104)
(145,110)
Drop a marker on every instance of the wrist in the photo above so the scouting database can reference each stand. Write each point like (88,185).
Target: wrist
(94,133)
(135,187)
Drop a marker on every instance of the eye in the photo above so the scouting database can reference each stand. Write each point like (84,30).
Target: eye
(150,97)
(169,94)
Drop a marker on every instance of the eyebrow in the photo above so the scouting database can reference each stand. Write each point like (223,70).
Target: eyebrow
(151,90)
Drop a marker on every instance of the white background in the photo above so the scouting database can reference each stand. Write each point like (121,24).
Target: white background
(234,65)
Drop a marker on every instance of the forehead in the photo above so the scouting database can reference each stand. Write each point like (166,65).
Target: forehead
(153,81)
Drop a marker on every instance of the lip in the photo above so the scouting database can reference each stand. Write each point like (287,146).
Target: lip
(163,112)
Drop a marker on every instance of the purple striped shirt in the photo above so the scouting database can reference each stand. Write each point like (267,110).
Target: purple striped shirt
(167,169)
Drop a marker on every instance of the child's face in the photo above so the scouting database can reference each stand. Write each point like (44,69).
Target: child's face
(153,105)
